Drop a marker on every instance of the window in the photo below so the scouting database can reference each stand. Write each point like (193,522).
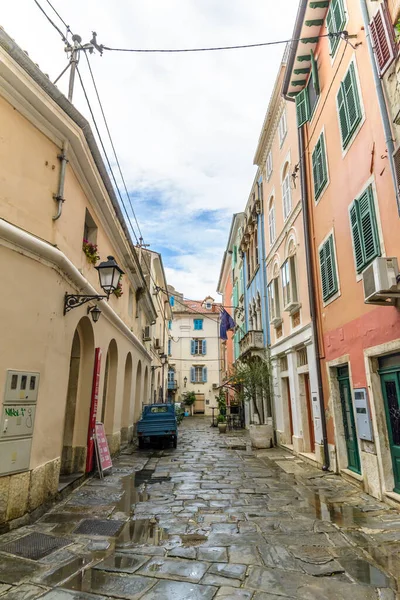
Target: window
(269,165)
(271,222)
(198,324)
(335,21)
(90,229)
(236,346)
(286,192)
(171,376)
(302,107)
(328,269)
(382,38)
(170,324)
(320,171)
(235,296)
(348,105)
(198,347)
(273,299)
(234,256)
(169,347)
(282,128)
(172,300)
(364,230)
(307,99)
(289,283)
(198,374)
(256,249)
(241,282)
(208,305)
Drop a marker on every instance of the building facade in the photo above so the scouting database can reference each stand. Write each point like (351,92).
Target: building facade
(350,200)
(292,352)
(194,361)
(60,370)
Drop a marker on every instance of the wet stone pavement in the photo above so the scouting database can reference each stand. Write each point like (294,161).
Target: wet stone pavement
(209,520)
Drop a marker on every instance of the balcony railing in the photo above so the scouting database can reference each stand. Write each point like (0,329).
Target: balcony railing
(172,385)
(253,340)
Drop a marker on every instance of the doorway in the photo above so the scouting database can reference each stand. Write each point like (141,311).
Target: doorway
(288,398)
(350,434)
(310,418)
(198,406)
(390,379)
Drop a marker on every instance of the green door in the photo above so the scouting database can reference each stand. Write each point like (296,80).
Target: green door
(350,434)
(391,394)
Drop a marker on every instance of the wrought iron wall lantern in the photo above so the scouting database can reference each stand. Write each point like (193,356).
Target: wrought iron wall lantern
(109,276)
(184,381)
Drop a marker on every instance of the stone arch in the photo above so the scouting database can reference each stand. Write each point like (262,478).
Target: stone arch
(109,388)
(138,392)
(126,433)
(79,392)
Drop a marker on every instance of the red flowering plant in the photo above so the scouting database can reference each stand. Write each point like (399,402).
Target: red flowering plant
(91,251)
(118,290)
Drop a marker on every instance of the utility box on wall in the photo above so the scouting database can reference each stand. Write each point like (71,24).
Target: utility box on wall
(363,416)
(17,421)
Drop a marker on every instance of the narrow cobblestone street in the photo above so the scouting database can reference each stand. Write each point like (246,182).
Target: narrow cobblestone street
(208,520)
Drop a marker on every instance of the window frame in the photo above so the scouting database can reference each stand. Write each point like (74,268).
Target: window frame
(272,222)
(282,127)
(275,315)
(286,180)
(352,129)
(319,190)
(290,293)
(357,226)
(335,42)
(382,14)
(269,167)
(196,322)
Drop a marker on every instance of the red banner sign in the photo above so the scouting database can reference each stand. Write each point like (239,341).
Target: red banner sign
(103,450)
(93,411)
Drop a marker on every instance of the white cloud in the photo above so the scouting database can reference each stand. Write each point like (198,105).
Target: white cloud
(185,125)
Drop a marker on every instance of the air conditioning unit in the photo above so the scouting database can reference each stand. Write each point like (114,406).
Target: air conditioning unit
(146,334)
(380,282)
(157,344)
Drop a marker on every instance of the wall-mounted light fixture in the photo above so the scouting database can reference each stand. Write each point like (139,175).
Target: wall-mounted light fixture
(184,381)
(95,312)
(109,276)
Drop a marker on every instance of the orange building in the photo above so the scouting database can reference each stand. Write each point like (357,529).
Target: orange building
(350,210)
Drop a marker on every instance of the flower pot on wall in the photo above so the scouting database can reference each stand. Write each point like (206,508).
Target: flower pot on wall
(261,436)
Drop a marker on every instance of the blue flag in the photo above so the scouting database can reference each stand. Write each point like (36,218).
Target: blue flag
(226,324)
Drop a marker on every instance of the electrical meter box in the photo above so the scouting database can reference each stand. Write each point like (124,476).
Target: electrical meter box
(17,419)
(363,416)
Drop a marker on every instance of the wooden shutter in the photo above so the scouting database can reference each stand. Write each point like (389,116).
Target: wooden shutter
(344,127)
(369,233)
(396,158)
(204,374)
(204,347)
(315,76)
(352,99)
(302,108)
(192,347)
(192,375)
(319,167)
(383,39)
(328,269)
(356,233)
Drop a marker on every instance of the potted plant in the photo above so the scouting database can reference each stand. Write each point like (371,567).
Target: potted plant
(189,398)
(221,419)
(254,385)
(91,251)
(118,290)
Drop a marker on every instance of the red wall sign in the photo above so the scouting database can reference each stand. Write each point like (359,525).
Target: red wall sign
(105,461)
(93,411)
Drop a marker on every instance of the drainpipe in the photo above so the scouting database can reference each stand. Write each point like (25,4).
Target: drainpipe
(59,197)
(311,292)
(381,101)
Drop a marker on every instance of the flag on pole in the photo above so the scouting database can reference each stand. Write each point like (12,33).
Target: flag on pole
(226,324)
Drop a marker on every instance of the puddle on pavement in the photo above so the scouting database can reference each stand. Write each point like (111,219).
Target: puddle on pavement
(364,572)
(192,539)
(121,562)
(132,494)
(141,531)
(65,571)
(340,514)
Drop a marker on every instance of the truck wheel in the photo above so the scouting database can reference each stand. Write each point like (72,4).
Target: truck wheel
(175,441)
(141,443)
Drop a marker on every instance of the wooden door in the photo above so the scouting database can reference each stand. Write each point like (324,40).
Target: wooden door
(310,416)
(289,401)
(391,394)
(350,434)
(198,406)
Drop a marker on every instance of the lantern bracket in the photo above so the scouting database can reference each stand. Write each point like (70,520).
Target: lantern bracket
(74,300)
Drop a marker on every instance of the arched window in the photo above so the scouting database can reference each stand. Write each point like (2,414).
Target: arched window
(286,192)
(273,298)
(255,248)
(271,221)
(289,278)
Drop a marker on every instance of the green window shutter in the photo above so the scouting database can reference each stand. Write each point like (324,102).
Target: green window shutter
(328,269)
(335,21)
(320,171)
(352,98)
(343,120)
(302,108)
(368,227)
(356,233)
(314,71)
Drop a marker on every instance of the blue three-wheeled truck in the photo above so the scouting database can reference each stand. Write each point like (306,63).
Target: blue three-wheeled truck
(158,421)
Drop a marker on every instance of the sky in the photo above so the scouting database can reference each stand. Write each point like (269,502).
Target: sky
(185,126)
